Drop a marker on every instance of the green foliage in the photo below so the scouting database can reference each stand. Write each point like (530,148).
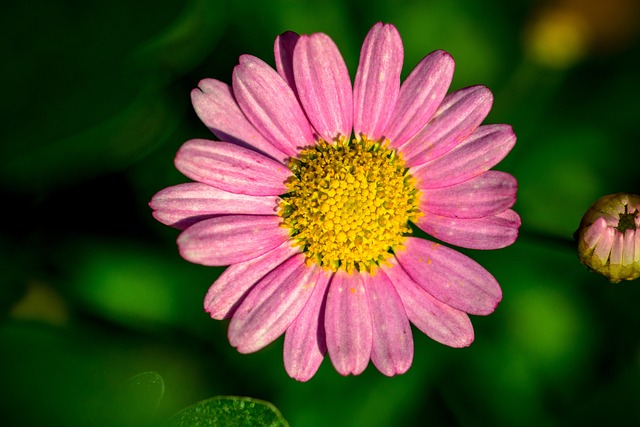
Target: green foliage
(231,411)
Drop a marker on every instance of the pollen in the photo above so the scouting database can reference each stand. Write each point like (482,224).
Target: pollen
(349,203)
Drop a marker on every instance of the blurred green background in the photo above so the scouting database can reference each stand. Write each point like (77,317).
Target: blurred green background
(95,104)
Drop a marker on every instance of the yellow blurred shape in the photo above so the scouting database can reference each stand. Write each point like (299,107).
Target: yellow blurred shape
(561,33)
(558,38)
(42,303)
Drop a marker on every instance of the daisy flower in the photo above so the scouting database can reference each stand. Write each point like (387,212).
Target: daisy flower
(310,193)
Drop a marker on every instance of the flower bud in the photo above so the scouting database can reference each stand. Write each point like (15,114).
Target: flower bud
(608,237)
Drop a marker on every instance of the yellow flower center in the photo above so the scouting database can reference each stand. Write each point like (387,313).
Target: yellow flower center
(349,203)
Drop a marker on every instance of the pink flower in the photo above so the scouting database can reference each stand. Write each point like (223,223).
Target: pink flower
(309,201)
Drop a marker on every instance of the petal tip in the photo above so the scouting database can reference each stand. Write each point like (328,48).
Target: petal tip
(444,56)
(484,94)
(462,341)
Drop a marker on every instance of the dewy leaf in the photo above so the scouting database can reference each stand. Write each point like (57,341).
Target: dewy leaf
(229,411)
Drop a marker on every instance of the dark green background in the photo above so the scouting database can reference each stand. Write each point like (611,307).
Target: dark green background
(95,103)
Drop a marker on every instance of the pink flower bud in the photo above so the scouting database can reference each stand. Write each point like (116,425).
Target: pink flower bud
(608,240)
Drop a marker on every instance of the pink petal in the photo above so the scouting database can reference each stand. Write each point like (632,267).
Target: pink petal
(490,232)
(603,248)
(185,204)
(231,239)
(271,105)
(304,342)
(283,52)
(226,293)
(324,86)
(617,249)
(348,324)
(232,168)
(392,350)
(217,108)
(450,276)
(487,194)
(458,116)
(272,304)
(595,232)
(629,248)
(435,319)
(377,81)
(481,151)
(420,95)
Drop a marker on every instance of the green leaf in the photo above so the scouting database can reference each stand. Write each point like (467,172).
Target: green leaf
(228,411)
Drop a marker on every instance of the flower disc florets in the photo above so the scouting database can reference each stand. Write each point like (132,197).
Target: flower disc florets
(349,203)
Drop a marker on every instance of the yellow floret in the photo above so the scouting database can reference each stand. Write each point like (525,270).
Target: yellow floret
(349,203)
